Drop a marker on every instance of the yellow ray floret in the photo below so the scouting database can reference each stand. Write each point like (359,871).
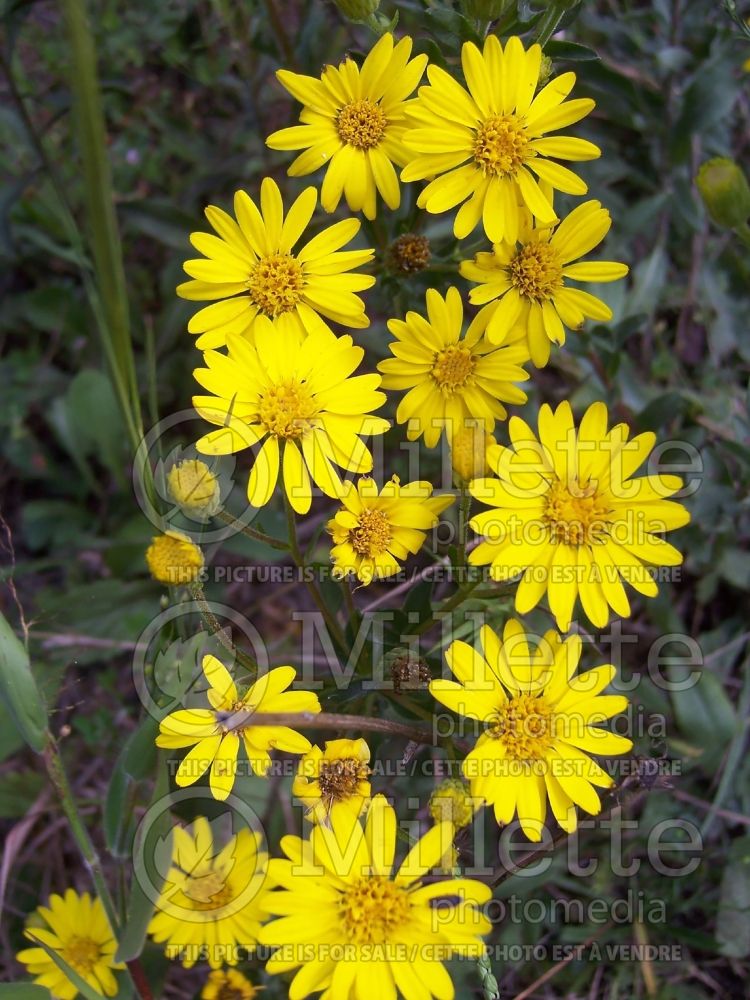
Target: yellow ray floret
(250,268)
(454,379)
(336,777)
(486,144)
(216,734)
(528,278)
(377,530)
(76,928)
(299,401)
(353,123)
(210,907)
(539,723)
(352,925)
(567,515)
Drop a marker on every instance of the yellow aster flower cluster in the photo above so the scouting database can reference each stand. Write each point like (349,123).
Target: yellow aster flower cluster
(566,518)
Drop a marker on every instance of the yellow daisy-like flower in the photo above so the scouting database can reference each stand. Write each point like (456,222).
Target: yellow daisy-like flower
(210,908)
(354,121)
(569,517)
(252,268)
(301,396)
(375,529)
(500,127)
(334,778)
(540,724)
(452,378)
(215,733)
(174,558)
(355,927)
(528,278)
(229,984)
(78,930)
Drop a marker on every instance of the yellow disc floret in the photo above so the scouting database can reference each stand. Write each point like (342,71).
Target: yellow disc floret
(361,124)
(500,147)
(372,908)
(575,515)
(276,283)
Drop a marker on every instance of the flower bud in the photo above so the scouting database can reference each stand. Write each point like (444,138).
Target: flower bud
(195,488)
(357,10)
(174,558)
(453,802)
(469,453)
(725,192)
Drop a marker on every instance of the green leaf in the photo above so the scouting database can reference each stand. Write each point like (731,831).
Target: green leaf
(570,51)
(705,714)
(24,991)
(733,919)
(136,761)
(19,689)
(141,905)
(83,987)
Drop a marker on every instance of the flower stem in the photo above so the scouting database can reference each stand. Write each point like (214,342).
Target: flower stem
(254,533)
(198,595)
(58,777)
(334,629)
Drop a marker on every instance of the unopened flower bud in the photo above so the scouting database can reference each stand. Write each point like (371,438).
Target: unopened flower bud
(357,10)
(725,192)
(453,802)
(545,71)
(195,488)
(174,558)
(469,453)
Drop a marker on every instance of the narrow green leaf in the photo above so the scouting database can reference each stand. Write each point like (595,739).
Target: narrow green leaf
(19,689)
(82,986)
(141,904)
(24,991)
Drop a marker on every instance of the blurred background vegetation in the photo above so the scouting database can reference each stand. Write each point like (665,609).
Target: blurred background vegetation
(189,96)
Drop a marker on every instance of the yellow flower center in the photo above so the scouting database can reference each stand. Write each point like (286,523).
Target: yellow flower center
(339,779)
(372,535)
(208,892)
(361,124)
(372,908)
(82,954)
(275,283)
(500,145)
(536,271)
(575,515)
(524,727)
(452,368)
(287,409)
